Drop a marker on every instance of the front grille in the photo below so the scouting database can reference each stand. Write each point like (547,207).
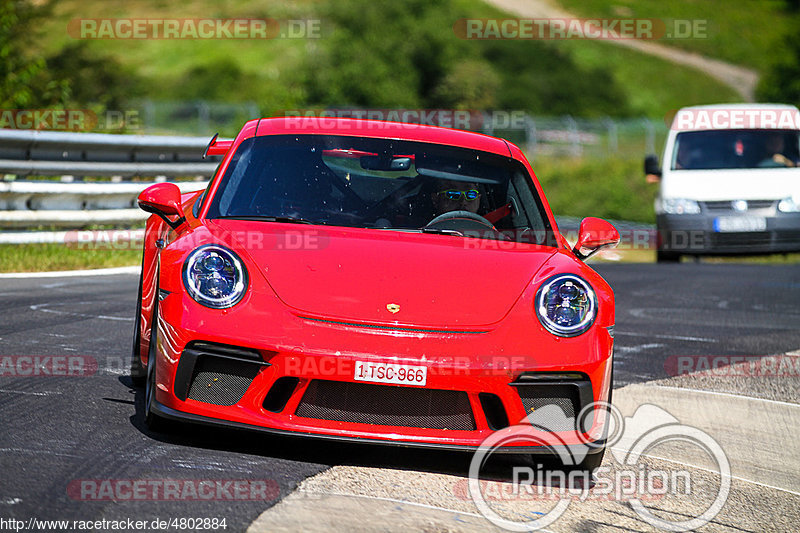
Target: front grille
(741,240)
(387,405)
(726,205)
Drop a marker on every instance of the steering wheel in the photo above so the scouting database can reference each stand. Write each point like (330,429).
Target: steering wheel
(457,218)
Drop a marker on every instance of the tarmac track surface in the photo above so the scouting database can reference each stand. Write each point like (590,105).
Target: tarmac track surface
(58,431)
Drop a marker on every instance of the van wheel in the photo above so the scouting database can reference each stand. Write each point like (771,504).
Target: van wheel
(667,257)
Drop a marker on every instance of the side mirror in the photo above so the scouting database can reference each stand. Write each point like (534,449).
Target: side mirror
(594,235)
(164,200)
(652,169)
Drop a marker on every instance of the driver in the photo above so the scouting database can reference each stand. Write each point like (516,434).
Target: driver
(774,148)
(452,195)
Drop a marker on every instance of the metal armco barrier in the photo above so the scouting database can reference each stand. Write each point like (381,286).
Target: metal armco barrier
(27,204)
(50,153)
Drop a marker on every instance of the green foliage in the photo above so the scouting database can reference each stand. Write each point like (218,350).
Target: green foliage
(781,83)
(72,77)
(17,70)
(405,54)
(612,188)
(216,80)
(91,79)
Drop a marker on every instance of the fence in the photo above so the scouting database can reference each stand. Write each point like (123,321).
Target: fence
(539,135)
(74,202)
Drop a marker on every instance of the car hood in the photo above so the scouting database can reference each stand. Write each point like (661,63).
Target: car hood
(358,275)
(732,184)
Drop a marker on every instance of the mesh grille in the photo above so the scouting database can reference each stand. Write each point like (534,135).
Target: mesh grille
(741,240)
(536,397)
(221,381)
(387,405)
(728,206)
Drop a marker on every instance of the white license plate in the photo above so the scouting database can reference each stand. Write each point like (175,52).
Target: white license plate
(729,224)
(391,373)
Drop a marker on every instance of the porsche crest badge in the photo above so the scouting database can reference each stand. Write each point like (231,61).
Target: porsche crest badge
(392,308)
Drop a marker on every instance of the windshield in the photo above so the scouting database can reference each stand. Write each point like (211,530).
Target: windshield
(383,184)
(703,150)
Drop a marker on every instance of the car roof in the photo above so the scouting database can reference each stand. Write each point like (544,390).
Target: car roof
(377,129)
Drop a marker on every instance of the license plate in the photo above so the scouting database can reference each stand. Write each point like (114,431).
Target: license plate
(729,224)
(391,373)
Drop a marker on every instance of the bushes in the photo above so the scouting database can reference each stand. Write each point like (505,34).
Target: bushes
(612,188)
(406,54)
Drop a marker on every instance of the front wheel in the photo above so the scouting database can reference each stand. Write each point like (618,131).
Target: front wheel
(152,420)
(138,372)
(667,257)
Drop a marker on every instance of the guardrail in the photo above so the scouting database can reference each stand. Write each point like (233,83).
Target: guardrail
(49,153)
(29,204)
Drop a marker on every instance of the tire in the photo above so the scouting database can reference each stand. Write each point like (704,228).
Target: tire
(152,420)
(138,372)
(591,462)
(667,257)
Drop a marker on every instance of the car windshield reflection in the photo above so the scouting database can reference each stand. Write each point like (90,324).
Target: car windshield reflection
(382,184)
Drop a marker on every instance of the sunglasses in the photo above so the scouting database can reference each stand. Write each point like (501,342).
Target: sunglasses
(455,195)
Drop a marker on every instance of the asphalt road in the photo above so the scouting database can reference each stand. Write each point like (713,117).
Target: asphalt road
(59,433)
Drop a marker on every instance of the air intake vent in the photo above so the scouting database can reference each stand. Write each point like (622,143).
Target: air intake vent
(387,405)
(552,401)
(214,373)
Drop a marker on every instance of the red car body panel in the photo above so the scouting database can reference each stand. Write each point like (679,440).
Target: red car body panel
(467,306)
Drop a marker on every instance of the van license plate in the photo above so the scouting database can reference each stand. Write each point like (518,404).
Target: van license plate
(735,224)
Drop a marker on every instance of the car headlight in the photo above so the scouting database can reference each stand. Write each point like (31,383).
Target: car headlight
(566,305)
(789,205)
(680,206)
(215,277)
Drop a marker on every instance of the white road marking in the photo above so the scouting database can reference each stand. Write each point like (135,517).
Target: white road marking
(42,307)
(10,501)
(670,337)
(730,395)
(73,273)
(636,349)
(404,502)
(47,393)
(709,470)
(39,452)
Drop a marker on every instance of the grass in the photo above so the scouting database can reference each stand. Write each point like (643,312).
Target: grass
(612,188)
(49,257)
(742,32)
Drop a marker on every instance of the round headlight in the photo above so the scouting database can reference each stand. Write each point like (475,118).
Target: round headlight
(214,276)
(566,305)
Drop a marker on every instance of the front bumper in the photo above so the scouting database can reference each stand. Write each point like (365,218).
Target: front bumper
(700,234)
(478,382)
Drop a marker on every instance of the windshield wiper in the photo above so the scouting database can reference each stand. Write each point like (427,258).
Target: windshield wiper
(269,218)
(439,231)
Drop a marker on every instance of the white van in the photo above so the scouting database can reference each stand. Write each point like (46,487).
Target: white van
(729,181)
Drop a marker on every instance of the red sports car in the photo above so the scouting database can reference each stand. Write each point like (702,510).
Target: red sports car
(373,282)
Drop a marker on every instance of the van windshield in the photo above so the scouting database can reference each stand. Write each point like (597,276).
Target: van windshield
(724,149)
